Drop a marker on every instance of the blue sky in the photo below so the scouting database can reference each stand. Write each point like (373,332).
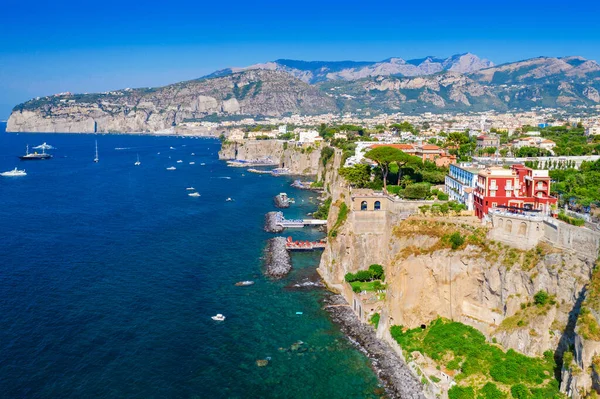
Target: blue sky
(54,46)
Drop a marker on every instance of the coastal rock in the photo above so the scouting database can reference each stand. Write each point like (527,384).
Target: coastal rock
(277,259)
(279,203)
(398,380)
(271,225)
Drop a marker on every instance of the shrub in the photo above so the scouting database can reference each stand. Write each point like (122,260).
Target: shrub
(376,272)
(453,364)
(456,240)
(443,196)
(375,319)
(363,275)
(323,211)
(457,392)
(416,191)
(326,154)
(350,277)
(519,391)
(490,391)
(356,288)
(541,298)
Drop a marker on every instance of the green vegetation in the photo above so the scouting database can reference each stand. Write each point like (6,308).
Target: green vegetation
(341,218)
(323,211)
(456,240)
(541,298)
(485,369)
(582,185)
(326,154)
(359,176)
(375,272)
(375,319)
(385,156)
(571,220)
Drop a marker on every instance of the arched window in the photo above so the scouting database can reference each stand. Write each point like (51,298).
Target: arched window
(523,229)
(508,226)
(363,206)
(377,205)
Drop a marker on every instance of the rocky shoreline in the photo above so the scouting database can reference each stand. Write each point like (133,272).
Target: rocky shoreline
(277,259)
(397,378)
(271,225)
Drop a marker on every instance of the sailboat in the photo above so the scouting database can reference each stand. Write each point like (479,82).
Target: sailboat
(138,163)
(96,159)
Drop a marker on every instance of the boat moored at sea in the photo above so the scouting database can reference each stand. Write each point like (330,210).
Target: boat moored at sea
(171,168)
(34,156)
(244,283)
(218,317)
(14,173)
(194,194)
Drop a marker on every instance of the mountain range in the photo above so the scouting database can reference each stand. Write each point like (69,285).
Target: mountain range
(459,83)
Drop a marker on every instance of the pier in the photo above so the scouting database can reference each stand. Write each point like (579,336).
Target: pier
(280,220)
(298,246)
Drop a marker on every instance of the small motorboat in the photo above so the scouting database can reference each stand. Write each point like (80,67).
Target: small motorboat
(193,154)
(228,199)
(190,188)
(171,148)
(202,164)
(194,194)
(244,283)
(171,168)
(14,173)
(192,163)
(179,161)
(218,317)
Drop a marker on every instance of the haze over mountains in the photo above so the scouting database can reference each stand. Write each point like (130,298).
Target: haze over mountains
(455,84)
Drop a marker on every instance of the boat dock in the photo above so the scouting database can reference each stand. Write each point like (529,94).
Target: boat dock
(297,223)
(292,245)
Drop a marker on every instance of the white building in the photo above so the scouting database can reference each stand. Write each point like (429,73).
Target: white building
(283,129)
(311,136)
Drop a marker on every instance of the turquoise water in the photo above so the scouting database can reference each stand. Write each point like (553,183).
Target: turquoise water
(109,274)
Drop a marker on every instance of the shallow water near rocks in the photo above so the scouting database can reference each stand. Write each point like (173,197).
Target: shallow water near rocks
(110,273)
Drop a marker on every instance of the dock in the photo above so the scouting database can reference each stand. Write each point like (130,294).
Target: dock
(299,246)
(297,223)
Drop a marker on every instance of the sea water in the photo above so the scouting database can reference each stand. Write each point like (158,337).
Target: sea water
(110,273)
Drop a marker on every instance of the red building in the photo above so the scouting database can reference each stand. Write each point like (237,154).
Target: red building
(516,189)
(427,152)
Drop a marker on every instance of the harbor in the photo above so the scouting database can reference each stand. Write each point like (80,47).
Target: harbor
(280,220)
(301,246)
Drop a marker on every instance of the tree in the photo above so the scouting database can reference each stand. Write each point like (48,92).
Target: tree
(384,156)
(358,175)
(503,152)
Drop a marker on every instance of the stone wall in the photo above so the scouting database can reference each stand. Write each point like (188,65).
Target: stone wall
(525,232)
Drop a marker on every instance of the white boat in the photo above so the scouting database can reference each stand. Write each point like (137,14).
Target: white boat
(192,163)
(138,163)
(202,164)
(179,161)
(96,159)
(190,188)
(228,199)
(171,168)
(171,148)
(244,283)
(193,153)
(218,317)
(194,194)
(14,173)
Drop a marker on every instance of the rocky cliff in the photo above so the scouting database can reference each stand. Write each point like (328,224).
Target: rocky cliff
(256,92)
(489,285)
(300,160)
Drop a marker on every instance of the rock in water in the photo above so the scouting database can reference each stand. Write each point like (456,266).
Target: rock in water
(277,258)
(262,362)
(271,223)
(280,202)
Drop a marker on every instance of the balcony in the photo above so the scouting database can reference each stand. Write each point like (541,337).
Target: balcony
(493,186)
(508,187)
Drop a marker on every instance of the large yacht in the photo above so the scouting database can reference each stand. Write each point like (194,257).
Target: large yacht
(34,156)
(13,173)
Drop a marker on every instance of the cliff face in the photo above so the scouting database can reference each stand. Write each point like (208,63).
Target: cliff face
(484,283)
(300,160)
(256,92)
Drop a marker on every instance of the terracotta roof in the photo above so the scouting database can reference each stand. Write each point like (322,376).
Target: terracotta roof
(430,147)
(398,146)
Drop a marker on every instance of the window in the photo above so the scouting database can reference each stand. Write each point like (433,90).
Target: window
(363,206)
(492,193)
(377,205)
(494,204)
